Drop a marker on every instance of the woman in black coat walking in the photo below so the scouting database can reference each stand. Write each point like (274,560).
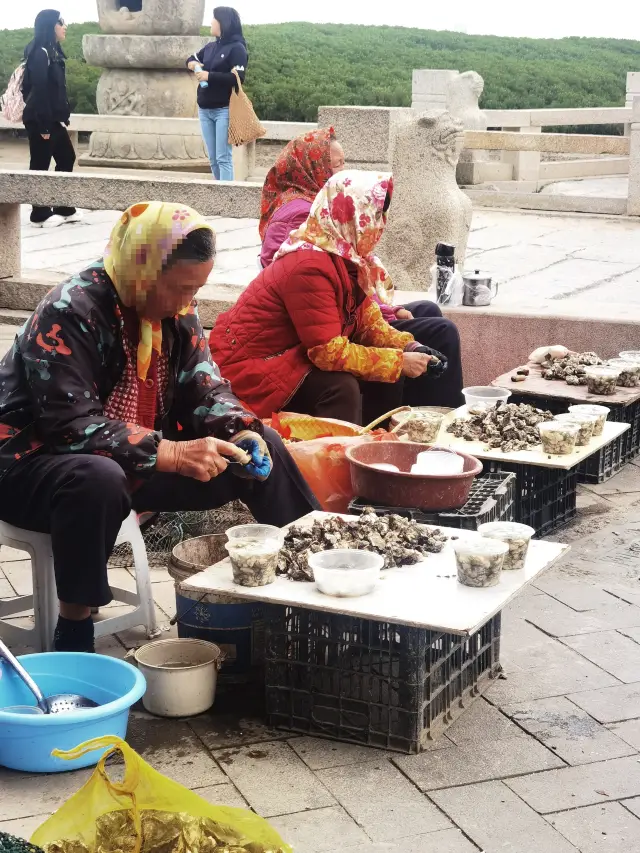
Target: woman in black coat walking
(46,111)
(214,66)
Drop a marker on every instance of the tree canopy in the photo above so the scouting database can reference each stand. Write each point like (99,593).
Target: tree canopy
(295,68)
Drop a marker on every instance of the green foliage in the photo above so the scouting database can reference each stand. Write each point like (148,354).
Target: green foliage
(295,68)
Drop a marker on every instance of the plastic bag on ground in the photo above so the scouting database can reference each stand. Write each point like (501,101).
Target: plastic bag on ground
(146,812)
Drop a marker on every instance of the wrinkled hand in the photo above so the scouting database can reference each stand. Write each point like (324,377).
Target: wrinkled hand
(403,314)
(414,364)
(201,459)
(435,368)
(202,76)
(260,466)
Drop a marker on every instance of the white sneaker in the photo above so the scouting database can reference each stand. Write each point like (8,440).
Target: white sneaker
(51,222)
(78,216)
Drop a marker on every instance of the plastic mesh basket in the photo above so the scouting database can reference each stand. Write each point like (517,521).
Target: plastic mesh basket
(167,529)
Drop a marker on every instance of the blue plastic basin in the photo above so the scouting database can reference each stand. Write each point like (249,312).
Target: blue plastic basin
(26,741)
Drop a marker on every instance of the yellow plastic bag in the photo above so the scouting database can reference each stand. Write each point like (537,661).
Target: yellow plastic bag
(143,789)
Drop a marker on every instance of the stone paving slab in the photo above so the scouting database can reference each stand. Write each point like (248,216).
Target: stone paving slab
(572,787)
(22,827)
(568,730)
(610,704)
(444,841)
(524,685)
(498,820)
(26,795)
(382,801)
(612,651)
(320,754)
(223,795)
(477,762)
(320,830)
(606,828)
(628,731)
(632,805)
(273,780)
(576,594)
(174,750)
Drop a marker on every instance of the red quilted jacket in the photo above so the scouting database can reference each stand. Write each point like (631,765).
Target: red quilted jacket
(302,301)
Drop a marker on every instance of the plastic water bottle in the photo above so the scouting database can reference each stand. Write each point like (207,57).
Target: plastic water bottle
(203,83)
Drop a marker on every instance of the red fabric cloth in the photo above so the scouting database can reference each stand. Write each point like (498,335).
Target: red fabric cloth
(261,343)
(300,171)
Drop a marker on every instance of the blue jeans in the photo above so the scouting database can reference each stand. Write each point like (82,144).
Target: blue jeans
(215,132)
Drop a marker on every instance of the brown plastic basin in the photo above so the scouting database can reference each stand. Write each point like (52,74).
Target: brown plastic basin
(422,491)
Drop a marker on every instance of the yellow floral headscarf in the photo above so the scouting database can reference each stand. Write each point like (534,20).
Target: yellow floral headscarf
(143,238)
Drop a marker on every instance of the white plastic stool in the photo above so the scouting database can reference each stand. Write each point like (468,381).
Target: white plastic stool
(44,600)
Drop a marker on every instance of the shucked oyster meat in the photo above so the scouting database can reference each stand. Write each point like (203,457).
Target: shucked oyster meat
(399,540)
(506,426)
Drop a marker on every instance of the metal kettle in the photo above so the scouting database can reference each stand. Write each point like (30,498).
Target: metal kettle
(478,289)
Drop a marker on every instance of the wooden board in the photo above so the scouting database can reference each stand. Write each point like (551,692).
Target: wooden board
(528,457)
(425,595)
(536,386)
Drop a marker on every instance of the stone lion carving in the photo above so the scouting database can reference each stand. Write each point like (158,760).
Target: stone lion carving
(465,90)
(427,206)
(151,17)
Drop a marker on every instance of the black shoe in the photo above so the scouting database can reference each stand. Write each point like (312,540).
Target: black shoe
(74,636)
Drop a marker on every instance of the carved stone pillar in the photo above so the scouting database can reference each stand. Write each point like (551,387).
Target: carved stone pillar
(143,49)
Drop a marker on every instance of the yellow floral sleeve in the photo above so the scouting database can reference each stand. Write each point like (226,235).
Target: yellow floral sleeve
(374,331)
(374,364)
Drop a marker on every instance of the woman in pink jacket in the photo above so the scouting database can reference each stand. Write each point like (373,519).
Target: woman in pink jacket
(293,182)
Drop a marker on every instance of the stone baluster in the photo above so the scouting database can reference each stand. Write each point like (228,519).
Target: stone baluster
(633,202)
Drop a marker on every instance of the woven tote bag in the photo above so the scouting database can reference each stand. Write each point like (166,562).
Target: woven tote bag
(244,125)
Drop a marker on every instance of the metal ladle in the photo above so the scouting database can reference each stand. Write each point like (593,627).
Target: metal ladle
(61,703)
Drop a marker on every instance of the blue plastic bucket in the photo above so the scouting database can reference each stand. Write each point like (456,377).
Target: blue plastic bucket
(26,741)
(237,629)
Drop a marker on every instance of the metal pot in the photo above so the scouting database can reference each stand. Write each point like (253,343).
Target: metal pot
(478,289)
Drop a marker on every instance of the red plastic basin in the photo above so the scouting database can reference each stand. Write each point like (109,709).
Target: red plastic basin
(422,491)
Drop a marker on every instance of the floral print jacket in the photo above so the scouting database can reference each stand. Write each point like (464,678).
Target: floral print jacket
(67,359)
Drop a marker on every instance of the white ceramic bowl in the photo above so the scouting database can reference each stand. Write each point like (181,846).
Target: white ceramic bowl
(346,572)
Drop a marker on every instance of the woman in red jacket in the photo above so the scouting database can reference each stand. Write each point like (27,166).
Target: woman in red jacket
(291,185)
(306,333)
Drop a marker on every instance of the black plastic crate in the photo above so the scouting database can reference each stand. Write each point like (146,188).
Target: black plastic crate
(492,498)
(606,462)
(545,497)
(373,683)
(610,459)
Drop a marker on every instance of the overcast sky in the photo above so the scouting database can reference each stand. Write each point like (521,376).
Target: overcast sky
(539,19)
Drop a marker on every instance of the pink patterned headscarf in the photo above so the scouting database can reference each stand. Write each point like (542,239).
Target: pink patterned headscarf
(347,219)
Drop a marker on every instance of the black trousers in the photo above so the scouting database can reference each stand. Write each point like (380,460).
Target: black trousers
(339,395)
(59,148)
(431,329)
(82,500)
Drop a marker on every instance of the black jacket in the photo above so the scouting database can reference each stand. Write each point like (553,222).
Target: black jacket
(45,89)
(218,58)
(66,361)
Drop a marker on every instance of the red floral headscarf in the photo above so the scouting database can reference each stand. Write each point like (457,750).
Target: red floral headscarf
(300,171)
(347,218)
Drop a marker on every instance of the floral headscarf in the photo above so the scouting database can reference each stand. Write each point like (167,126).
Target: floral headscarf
(301,170)
(143,238)
(347,219)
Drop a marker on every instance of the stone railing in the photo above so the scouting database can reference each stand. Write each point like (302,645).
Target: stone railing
(244,157)
(526,164)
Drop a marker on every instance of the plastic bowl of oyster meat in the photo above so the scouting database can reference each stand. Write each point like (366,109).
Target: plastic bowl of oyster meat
(482,397)
(346,572)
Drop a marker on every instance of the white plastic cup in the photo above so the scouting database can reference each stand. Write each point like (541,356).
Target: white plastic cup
(599,412)
(517,536)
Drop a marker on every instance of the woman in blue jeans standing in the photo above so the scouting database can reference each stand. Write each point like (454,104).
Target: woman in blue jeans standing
(213,67)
